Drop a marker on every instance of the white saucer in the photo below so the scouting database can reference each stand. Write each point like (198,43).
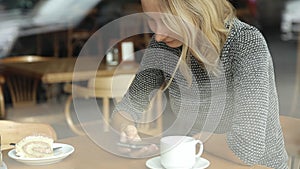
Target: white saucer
(3,166)
(59,155)
(154,163)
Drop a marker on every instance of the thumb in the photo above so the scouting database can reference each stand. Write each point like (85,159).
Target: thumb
(132,133)
(123,137)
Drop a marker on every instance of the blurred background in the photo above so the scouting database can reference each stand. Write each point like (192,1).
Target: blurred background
(59,28)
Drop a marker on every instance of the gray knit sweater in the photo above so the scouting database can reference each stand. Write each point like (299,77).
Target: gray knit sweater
(248,109)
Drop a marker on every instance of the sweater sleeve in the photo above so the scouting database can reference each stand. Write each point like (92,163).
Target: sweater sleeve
(149,78)
(138,96)
(251,97)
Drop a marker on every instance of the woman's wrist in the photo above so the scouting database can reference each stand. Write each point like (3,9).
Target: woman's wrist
(123,126)
(121,120)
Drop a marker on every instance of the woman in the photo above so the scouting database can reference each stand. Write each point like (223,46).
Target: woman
(248,129)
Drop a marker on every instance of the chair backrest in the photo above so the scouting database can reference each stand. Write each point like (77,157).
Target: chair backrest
(22,88)
(12,132)
(104,87)
(2,101)
(291,132)
(25,58)
(116,86)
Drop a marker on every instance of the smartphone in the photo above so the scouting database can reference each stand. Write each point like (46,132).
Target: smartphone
(137,145)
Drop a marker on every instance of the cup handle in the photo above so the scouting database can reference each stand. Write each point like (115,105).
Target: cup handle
(200,151)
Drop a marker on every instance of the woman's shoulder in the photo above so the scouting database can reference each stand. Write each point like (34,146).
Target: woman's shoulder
(247,44)
(244,32)
(244,39)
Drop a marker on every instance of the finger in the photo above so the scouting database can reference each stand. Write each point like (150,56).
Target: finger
(123,137)
(136,138)
(196,135)
(152,149)
(145,151)
(124,150)
(131,131)
(139,153)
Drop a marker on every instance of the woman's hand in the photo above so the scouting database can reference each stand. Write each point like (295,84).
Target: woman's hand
(129,134)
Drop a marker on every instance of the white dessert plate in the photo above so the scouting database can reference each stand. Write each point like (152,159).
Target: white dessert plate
(3,166)
(59,155)
(154,163)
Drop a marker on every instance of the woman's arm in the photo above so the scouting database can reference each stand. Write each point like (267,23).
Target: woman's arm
(120,120)
(245,142)
(251,86)
(147,81)
(134,103)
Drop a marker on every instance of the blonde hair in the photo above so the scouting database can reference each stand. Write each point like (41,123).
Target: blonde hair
(211,18)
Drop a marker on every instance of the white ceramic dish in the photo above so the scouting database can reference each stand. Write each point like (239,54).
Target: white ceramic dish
(3,166)
(154,163)
(59,155)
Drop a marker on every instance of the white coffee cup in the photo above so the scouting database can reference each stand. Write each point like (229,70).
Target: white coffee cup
(179,151)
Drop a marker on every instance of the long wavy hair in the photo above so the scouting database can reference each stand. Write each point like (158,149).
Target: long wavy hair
(211,20)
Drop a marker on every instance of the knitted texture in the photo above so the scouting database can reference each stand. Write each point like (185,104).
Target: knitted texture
(250,116)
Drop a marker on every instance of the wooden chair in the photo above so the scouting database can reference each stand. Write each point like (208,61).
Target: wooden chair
(12,132)
(2,101)
(291,133)
(23,90)
(102,87)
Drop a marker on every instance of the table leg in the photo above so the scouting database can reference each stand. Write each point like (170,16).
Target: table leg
(106,114)
(2,104)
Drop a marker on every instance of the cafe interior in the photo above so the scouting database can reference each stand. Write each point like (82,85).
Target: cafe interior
(48,80)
